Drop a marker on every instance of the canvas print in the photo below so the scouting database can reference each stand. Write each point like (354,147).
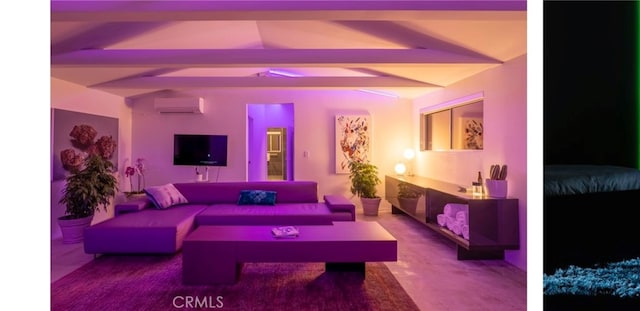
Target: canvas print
(353,140)
(77,134)
(472,133)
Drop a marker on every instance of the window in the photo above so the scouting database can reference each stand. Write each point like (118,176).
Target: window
(459,126)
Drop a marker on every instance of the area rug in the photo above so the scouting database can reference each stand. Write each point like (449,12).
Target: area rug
(609,286)
(130,282)
(620,279)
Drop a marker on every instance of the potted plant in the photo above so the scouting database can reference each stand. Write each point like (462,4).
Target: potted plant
(136,170)
(408,197)
(87,188)
(364,179)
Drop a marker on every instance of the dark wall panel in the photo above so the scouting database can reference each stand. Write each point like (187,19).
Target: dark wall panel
(590,96)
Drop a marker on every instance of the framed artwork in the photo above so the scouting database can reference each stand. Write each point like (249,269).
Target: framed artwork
(353,140)
(76,134)
(472,134)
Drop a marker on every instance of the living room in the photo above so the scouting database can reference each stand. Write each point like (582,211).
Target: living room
(143,132)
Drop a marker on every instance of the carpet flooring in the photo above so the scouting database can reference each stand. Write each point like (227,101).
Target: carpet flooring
(609,286)
(137,282)
(619,279)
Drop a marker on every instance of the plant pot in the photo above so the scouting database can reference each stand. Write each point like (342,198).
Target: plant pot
(370,206)
(408,205)
(73,229)
(496,188)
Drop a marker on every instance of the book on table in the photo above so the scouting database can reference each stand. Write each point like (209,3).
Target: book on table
(285,232)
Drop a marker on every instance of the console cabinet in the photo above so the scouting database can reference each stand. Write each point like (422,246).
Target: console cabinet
(493,222)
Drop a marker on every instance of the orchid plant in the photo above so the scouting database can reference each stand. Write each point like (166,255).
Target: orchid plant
(137,169)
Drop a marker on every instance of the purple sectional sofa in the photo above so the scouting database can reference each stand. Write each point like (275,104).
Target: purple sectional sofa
(140,227)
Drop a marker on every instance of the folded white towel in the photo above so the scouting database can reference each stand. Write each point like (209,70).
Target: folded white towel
(453,225)
(450,209)
(462,217)
(456,228)
(442,220)
(465,232)
(450,221)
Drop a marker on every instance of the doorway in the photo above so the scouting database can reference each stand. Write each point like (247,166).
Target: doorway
(276,153)
(270,147)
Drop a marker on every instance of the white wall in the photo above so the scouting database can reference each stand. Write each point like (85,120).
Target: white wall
(505,137)
(314,112)
(69,96)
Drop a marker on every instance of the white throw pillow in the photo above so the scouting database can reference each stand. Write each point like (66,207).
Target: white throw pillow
(165,196)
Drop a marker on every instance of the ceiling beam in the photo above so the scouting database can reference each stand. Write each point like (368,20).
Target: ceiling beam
(407,37)
(256,82)
(261,57)
(112,11)
(102,36)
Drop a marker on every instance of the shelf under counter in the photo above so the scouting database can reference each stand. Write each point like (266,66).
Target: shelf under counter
(493,222)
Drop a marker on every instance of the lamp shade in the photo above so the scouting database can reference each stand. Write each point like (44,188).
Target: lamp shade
(400,168)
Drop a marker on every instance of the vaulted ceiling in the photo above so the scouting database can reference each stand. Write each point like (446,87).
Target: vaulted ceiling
(408,48)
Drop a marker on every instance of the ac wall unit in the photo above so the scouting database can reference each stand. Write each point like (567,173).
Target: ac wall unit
(179,105)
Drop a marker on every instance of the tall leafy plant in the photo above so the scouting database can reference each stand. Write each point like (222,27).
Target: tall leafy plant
(364,179)
(88,188)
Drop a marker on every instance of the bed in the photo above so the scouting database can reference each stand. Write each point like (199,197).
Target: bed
(589,215)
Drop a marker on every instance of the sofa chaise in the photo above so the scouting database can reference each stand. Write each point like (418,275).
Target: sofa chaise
(142,225)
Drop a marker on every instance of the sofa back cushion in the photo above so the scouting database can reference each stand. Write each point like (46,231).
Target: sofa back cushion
(229,192)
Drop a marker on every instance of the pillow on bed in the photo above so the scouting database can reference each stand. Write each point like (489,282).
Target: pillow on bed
(257,197)
(165,196)
(560,180)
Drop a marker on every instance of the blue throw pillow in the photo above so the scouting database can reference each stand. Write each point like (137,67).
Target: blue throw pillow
(257,197)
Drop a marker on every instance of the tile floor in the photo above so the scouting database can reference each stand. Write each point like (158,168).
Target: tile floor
(427,269)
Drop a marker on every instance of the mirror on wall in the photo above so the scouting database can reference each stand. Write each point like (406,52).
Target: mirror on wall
(456,125)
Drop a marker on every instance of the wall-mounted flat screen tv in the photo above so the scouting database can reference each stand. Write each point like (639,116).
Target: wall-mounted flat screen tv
(200,150)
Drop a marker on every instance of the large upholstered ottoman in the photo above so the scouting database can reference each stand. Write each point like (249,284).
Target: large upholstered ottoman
(215,254)
(154,231)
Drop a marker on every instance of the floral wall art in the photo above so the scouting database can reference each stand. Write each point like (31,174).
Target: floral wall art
(473,133)
(76,134)
(353,140)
